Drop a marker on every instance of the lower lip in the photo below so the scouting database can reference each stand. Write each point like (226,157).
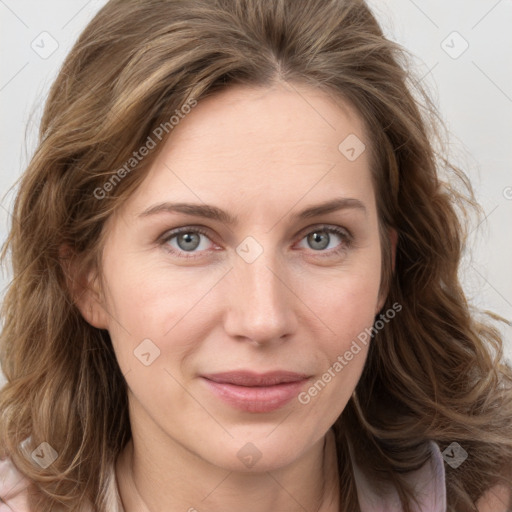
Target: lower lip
(256,399)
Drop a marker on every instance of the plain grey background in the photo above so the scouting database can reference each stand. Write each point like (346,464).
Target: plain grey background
(462,54)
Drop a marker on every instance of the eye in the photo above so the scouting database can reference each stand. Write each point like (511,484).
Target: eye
(184,240)
(321,237)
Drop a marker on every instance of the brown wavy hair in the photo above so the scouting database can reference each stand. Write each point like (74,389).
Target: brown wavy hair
(435,373)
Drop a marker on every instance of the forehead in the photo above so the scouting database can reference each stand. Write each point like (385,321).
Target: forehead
(280,143)
(284,119)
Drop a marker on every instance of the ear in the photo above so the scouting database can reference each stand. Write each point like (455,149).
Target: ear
(84,289)
(393,237)
(393,240)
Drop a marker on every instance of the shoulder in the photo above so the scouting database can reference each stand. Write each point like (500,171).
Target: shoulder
(428,483)
(496,499)
(13,488)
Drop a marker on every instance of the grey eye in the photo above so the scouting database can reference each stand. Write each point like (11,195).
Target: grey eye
(188,241)
(318,240)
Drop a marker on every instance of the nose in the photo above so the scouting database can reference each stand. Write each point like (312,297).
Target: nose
(261,301)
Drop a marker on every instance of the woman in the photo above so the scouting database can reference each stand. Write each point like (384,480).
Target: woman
(235,278)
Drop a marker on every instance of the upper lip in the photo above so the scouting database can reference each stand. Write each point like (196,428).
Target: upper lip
(249,378)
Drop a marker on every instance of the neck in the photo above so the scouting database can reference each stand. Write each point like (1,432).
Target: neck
(153,481)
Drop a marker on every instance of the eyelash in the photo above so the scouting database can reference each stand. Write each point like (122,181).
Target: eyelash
(344,234)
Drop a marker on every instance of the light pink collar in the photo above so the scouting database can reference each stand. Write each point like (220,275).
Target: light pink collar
(428,481)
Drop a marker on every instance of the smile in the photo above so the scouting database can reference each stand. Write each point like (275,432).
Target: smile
(256,393)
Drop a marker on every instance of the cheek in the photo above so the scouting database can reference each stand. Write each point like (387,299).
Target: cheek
(144,295)
(151,301)
(347,307)
(349,301)
(350,318)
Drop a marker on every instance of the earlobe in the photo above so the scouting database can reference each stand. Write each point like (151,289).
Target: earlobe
(84,290)
(393,237)
(90,304)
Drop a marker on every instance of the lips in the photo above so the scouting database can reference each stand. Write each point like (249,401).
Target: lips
(245,378)
(253,392)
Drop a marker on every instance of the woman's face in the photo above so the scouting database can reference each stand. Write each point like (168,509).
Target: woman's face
(263,279)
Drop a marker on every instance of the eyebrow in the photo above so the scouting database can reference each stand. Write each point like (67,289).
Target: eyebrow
(213,212)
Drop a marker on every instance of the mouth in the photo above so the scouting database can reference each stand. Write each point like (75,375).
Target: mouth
(253,392)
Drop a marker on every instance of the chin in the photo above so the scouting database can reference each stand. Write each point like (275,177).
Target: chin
(257,453)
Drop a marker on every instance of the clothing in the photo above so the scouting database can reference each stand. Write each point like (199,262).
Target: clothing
(429,482)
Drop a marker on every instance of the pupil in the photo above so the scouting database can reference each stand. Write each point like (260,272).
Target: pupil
(317,238)
(188,238)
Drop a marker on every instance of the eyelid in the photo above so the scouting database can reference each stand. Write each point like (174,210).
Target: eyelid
(344,233)
(341,231)
(171,233)
(206,231)
(326,227)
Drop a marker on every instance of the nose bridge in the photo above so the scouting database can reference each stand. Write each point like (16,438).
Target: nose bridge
(261,304)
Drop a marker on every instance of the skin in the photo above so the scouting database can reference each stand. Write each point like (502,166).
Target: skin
(262,154)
